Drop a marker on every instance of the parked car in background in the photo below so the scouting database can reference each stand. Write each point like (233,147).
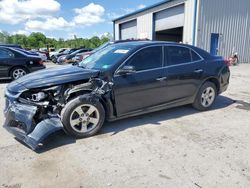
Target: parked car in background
(15,62)
(44,51)
(69,58)
(11,45)
(81,56)
(54,53)
(66,52)
(42,55)
(60,60)
(119,81)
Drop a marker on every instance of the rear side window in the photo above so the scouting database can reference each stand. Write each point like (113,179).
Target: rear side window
(177,55)
(195,56)
(147,58)
(5,54)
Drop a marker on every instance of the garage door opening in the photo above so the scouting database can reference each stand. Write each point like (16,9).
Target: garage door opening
(173,35)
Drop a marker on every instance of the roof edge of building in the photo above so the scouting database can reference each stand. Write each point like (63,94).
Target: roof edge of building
(142,10)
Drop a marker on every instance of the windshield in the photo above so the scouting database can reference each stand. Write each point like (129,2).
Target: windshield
(101,47)
(106,57)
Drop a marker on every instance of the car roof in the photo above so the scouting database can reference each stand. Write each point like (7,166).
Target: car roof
(143,43)
(140,44)
(20,51)
(11,45)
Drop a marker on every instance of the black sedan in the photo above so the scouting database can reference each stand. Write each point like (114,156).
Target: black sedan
(119,81)
(16,63)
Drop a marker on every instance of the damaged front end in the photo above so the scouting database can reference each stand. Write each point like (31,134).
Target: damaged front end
(30,119)
(32,115)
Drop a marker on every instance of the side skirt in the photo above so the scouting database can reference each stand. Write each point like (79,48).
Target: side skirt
(181,102)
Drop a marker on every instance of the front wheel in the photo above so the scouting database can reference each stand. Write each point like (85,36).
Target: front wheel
(205,97)
(82,118)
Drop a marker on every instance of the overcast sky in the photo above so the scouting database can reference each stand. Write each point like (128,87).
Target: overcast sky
(65,18)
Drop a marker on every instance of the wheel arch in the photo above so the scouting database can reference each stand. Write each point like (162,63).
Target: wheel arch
(17,66)
(106,103)
(215,81)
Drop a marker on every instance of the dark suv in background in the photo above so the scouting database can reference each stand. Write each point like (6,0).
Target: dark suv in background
(119,81)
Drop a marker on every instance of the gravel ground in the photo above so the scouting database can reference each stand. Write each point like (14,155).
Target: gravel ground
(179,147)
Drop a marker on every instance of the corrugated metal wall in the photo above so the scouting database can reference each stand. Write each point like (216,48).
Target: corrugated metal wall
(188,22)
(229,18)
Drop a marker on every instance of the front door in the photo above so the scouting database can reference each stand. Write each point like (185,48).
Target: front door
(144,88)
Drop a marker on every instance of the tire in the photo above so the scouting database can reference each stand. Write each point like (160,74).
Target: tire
(18,72)
(53,59)
(79,120)
(205,97)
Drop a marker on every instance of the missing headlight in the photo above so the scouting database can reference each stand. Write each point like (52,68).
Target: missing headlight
(38,96)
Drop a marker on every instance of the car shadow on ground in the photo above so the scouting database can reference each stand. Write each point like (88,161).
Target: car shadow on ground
(5,81)
(60,138)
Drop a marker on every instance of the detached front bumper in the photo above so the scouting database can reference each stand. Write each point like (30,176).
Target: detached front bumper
(19,120)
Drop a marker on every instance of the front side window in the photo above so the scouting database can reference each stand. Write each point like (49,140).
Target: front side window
(177,55)
(5,54)
(147,58)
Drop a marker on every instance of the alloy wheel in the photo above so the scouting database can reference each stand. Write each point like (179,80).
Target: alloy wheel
(207,97)
(84,118)
(18,73)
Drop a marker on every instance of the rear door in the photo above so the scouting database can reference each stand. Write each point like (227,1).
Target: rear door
(184,70)
(144,88)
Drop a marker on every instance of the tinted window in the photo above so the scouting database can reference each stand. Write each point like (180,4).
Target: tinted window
(195,56)
(147,58)
(5,54)
(177,55)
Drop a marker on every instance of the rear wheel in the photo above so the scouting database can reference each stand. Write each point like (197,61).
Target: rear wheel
(205,97)
(18,72)
(82,118)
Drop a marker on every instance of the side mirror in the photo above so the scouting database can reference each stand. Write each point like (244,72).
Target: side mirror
(126,70)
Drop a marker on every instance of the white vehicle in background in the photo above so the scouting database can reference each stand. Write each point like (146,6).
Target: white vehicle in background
(42,56)
(60,50)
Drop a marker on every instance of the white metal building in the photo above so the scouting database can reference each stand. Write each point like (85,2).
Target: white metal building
(218,26)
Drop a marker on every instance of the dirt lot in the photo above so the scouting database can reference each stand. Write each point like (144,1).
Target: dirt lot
(173,148)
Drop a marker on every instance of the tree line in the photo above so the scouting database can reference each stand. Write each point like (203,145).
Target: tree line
(38,40)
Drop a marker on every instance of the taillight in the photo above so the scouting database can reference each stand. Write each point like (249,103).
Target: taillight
(227,62)
(40,62)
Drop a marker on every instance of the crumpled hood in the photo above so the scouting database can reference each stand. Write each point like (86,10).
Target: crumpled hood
(51,77)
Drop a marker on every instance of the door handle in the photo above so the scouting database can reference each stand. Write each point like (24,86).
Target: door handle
(198,71)
(161,79)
